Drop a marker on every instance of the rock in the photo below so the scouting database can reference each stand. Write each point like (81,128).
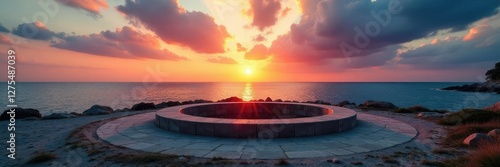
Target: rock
(231,99)
(123,110)
(143,106)
(494,107)
(488,86)
(476,139)
(268,99)
(379,104)
(260,100)
(98,110)
(76,114)
(59,116)
(495,133)
(278,100)
(167,104)
(21,113)
(429,115)
(335,161)
(345,103)
(202,101)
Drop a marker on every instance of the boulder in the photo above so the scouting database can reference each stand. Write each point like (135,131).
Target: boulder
(379,104)
(123,110)
(21,113)
(278,100)
(429,115)
(98,110)
(167,104)
(495,133)
(477,139)
(345,103)
(202,101)
(231,99)
(59,116)
(268,99)
(143,106)
(494,107)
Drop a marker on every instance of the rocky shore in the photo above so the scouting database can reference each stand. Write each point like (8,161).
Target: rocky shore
(489,86)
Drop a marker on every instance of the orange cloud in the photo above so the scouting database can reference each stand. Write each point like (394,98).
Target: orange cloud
(4,39)
(92,6)
(258,52)
(222,60)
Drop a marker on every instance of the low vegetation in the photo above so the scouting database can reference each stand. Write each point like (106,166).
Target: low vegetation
(281,162)
(42,156)
(455,136)
(417,109)
(469,116)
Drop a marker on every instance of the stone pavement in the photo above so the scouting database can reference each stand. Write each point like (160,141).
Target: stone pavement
(372,133)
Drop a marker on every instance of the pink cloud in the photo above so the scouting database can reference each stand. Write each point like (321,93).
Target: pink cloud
(174,25)
(258,52)
(123,43)
(92,6)
(259,38)
(240,48)
(222,60)
(4,39)
(265,13)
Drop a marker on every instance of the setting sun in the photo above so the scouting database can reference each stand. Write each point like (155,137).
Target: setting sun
(248,71)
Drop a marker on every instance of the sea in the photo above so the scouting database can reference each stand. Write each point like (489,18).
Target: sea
(77,97)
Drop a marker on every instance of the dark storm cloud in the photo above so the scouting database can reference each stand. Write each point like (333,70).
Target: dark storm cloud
(342,29)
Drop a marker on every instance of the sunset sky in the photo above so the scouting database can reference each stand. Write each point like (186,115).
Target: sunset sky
(250,40)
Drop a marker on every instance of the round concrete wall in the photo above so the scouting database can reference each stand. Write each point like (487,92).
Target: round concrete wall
(256,119)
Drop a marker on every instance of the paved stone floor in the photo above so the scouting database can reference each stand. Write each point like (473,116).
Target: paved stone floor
(372,133)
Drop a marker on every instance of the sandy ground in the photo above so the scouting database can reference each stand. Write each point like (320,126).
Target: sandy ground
(84,148)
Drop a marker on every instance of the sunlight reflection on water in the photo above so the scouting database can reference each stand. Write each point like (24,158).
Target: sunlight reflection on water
(247,92)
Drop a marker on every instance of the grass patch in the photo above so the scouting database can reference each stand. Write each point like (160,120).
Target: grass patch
(281,162)
(387,159)
(218,159)
(42,156)
(461,161)
(417,109)
(456,136)
(141,158)
(467,116)
(485,155)
(441,151)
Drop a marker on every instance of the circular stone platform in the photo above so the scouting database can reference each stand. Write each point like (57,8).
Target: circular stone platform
(256,119)
(372,133)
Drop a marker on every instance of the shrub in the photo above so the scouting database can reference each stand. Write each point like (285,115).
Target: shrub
(485,155)
(42,156)
(281,162)
(466,116)
(457,135)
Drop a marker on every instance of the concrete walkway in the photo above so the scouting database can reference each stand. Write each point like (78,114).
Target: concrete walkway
(372,133)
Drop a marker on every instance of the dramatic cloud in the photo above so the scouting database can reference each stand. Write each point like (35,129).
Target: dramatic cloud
(240,48)
(258,52)
(4,39)
(174,25)
(123,43)
(265,13)
(479,45)
(36,31)
(222,60)
(3,29)
(343,29)
(92,6)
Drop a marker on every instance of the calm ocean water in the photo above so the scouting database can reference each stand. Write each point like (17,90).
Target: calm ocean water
(77,97)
